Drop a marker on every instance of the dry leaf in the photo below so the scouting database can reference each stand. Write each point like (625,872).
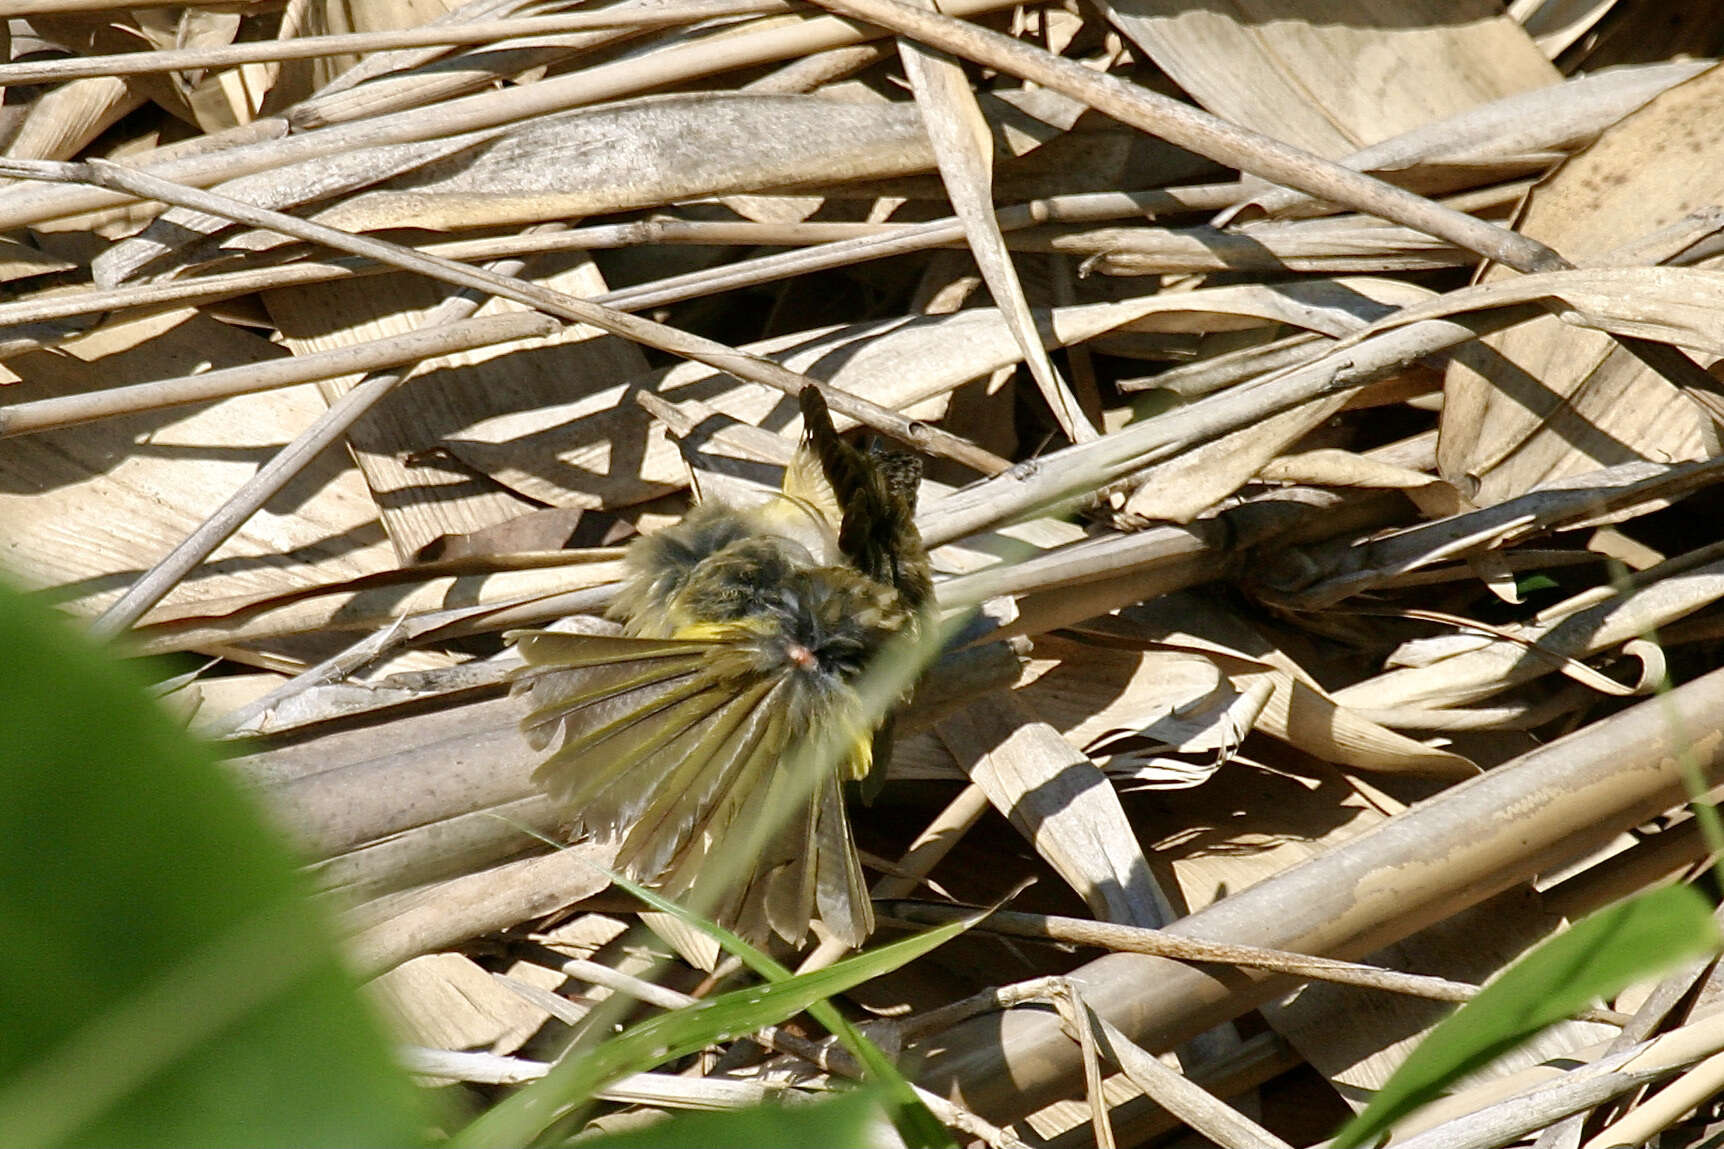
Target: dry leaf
(964,148)
(402,444)
(1543,400)
(601,450)
(1332,85)
(91,508)
(1059,801)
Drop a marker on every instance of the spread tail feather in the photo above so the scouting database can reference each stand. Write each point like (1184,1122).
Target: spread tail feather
(684,751)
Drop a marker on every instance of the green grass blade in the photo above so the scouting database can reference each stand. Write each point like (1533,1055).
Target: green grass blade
(670,1035)
(919,1128)
(1600,955)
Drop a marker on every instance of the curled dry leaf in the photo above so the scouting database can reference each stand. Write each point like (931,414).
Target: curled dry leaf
(1580,628)
(1124,685)
(1184,706)
(1329,572)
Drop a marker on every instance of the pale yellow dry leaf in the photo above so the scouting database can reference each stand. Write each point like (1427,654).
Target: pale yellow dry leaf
(422,495)
(1335,79)
(66,118)
(1544,400)
(90,508)
(446,1001)
(1060,801)
(219,99)
(1580,628)
(1215,840)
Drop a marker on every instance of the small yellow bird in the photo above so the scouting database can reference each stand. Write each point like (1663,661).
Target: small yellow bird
(687,739)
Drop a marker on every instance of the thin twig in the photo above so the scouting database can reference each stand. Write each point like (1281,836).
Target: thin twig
(832,245)
(393,351)
(1159,943)
(1198,131)
(755,368)
(429,35)
(150,590)
(1642,1124)
(828,1055)
(324,431)
(1080,1023)
(1076,472)
(1576,1090)
(1176,1093)
(272,142)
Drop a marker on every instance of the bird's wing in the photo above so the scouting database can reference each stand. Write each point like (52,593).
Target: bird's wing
(874,494)
(805,482)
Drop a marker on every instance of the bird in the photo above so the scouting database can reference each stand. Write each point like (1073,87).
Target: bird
(691,739)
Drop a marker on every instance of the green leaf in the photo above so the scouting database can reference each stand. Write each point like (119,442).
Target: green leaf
(168,979)
(1597,957)
(576,1078)
(910,1116)
(844,1120)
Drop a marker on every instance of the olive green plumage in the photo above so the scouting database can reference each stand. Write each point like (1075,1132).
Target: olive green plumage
(690,738)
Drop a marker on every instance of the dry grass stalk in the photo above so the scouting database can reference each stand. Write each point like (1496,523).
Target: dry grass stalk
(310,47)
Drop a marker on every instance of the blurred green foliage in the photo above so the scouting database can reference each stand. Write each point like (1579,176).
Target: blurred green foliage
(168,981)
